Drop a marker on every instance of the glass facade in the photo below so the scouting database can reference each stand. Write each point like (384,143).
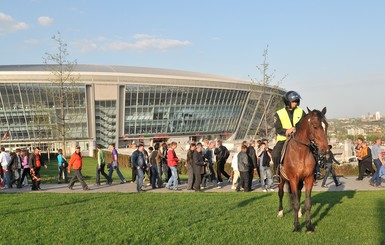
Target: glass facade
(31,112)
(105,122)
(151,110)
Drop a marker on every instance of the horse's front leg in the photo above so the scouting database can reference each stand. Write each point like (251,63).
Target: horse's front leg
(280,194)
(308,186)
(296,204)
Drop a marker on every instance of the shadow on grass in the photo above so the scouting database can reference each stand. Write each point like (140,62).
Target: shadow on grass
(326,201)
(251,200)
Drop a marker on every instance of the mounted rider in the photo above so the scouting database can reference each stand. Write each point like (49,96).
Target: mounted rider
(285,121)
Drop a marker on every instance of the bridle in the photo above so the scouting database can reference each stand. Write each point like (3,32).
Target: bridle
(312,145)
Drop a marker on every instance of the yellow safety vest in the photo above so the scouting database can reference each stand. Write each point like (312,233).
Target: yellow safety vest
(285,120)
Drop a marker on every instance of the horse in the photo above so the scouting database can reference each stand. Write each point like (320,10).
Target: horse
(299,162)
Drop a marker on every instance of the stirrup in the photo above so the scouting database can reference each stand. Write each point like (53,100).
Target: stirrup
(276,179)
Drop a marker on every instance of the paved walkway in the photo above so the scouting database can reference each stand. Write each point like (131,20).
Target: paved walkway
(348,184)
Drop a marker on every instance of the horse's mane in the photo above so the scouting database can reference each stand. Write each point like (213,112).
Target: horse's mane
(319,114)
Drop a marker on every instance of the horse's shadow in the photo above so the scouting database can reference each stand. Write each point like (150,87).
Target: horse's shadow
(323,203)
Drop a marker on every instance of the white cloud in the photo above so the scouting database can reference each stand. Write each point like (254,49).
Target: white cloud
(45,20)
(8,24)
(139,42)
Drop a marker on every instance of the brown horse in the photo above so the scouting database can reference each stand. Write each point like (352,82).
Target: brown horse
(299,162)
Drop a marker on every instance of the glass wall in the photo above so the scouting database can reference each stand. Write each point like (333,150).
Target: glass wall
(31,111)
(154,110)
(105,122)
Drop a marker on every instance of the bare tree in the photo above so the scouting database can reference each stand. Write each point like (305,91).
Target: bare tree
(63,82)
(270,101)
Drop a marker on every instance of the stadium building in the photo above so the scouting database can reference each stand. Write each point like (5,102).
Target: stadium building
(125,104)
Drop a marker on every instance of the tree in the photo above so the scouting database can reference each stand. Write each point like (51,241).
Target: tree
(270,102)
(63,81)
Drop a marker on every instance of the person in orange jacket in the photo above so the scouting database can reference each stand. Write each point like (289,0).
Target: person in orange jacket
(76,162)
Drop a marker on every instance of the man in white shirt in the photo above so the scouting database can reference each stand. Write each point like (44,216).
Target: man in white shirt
(4,161)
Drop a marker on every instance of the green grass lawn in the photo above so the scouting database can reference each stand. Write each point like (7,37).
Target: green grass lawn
(187,218)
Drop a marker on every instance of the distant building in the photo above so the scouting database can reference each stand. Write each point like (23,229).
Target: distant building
(355,131)
(378,116)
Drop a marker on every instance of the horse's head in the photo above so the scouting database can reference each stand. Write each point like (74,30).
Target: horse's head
(317,130)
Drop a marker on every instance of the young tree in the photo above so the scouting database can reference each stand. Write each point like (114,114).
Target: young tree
(268,101)
(63,82)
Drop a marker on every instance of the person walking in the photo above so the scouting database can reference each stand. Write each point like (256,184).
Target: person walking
(234,165)
(366,159)
(139,163)
(243,168)
(115,165)
(15,166)
(35,163)
(222,153)
(100,166)
(252,156)
(328,162)
(76,162)
(172,162)
(378,162)
(198,166)
(4,161)
(208,154)
(155,162)
(189,166)
(62,167)
(26,169)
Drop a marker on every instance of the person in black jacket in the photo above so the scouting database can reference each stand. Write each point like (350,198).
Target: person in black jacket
(189,166)
(252,157)
(138,160)
(14,166)
(198,166)
(328,161)
(243,167)
(222,154)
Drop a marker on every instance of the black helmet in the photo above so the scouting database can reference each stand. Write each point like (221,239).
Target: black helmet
(291,96)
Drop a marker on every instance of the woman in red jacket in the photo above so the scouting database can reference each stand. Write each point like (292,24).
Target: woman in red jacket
(76,162)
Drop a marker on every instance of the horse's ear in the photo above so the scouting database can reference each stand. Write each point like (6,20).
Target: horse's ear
(308,110)
(324,111)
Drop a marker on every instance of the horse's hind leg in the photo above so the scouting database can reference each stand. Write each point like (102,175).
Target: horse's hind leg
(308,203)
(280,194)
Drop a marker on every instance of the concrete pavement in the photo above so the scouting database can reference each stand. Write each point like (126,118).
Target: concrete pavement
(348,184)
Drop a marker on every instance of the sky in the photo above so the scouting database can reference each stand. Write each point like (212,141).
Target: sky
(330,52)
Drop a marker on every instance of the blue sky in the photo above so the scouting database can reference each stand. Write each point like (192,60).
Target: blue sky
(332,51)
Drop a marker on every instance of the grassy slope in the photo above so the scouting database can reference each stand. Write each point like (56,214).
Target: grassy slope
(187,218)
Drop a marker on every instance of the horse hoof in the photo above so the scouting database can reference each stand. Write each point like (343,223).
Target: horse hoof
(309,230)
(297,229)
(280,214)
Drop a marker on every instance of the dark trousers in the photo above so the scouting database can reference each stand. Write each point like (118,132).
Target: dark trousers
(363,166)
(134,174)
(212,173)
(276,155)
(25,172)
(60,175)
(101,171)
(243,181)
(190,180)
(78,176)
(329,170)
(13,178)
(166,171)
(259,170)
(197,179)
(156,178)
(251,176)
(221,170)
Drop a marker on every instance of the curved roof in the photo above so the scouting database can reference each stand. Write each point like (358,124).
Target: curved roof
(120,69)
